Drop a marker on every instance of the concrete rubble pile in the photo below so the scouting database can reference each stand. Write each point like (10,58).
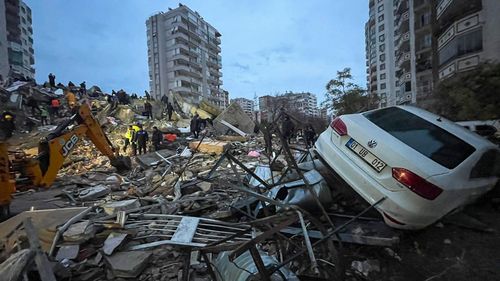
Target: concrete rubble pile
(214,208)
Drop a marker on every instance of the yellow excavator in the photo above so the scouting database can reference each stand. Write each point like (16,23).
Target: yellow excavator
(17,169)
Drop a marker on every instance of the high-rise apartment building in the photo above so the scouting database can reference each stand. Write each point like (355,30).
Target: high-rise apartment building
(18,32)
(4,48)
(380,59)
(468,34)
(431,41)
(246,104)
(184,56)
(399,51)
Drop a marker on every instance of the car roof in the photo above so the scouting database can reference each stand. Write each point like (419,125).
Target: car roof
(468,136)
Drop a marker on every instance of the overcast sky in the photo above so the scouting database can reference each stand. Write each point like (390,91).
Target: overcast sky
(268,46)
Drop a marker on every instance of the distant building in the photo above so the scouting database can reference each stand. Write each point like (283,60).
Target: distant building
(16,35)
(246,104)
(184,56)
(323,114)
(304,104)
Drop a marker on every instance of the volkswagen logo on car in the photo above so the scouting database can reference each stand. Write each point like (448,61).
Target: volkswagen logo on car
(372,143)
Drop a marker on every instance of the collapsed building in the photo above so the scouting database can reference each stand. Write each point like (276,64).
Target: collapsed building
(234,204)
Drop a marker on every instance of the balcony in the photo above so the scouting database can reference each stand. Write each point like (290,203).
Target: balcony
(403,39)
(459,27)
(402,6)
(403,59)
(449,11)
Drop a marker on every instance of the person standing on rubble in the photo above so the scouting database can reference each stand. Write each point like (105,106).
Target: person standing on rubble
(141,137)
(54,105)
(164,99)
(52,80)
(156,138)
(287,128)
(44,115)
(149,109)
(7,125)
(83,89)
(195,126)
(146,94)
(129,139)
(170,110)
(309,135)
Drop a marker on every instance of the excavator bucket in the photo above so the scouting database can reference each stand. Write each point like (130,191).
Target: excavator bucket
(121,163)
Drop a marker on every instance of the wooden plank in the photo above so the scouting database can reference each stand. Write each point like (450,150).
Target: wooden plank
(186,230)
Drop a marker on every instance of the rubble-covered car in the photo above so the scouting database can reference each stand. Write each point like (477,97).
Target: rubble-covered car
(425,165)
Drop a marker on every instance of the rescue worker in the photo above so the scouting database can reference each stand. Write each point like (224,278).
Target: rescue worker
(149,109)
(141,137)
(71,99)
(194,125)
(44,115)
(156,138)
(129,138)
(7,125)
(170,110)
(52,80)
(54,105)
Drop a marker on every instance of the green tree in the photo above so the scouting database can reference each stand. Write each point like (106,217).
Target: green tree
(472,95)
(344,97)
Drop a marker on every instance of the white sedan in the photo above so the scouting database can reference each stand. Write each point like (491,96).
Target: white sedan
(425,165)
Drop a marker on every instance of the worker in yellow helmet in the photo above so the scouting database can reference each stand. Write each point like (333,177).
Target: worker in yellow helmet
(130,138)
(7,125)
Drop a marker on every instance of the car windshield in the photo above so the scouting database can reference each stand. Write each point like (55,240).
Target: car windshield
(430,140)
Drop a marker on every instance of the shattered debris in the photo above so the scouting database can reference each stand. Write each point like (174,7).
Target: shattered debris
(222,206)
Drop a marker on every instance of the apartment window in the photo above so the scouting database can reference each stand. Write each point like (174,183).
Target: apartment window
(381,48)
(382,76)
(380,18)
(382,66)
(381,28)
(23,20)
(381,38)
(382,57)
(461,45)
(380,8)
(382,86)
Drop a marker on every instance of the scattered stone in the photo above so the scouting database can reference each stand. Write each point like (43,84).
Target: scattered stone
(111,208)
(67,252)
(366,267)
(113,241)
(79,232)
(93,193)
(128,264)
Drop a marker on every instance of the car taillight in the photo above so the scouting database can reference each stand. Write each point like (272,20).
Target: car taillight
(416,184)
(339,126)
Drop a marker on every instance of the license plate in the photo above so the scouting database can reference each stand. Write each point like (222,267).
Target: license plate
(366,155)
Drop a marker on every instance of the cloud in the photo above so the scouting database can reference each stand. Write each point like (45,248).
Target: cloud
(243,67)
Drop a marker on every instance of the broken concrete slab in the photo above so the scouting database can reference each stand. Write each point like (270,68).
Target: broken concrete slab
(79,232)
(44,221)
(128,264)
(93,193)
(152,159)
(210,147)
(12,268)
(113,241)
(112,208)
(235,116)
(67,252)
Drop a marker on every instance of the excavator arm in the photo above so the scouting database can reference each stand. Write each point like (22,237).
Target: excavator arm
(43,170)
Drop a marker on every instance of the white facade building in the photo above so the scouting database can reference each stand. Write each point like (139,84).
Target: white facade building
(4,49)
(19,33)
(184,56)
